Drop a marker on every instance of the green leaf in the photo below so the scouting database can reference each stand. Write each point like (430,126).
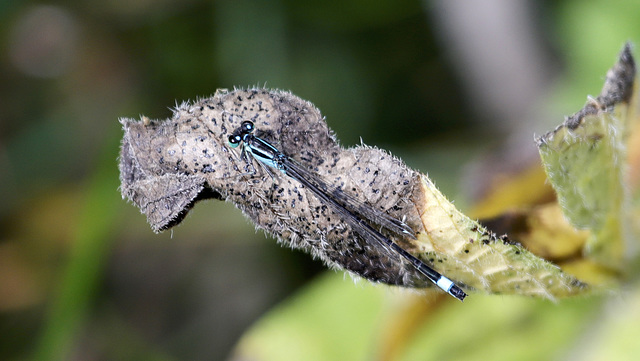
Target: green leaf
(585,159)
(323,322)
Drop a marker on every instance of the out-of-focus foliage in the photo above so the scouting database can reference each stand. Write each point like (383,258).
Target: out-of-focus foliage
(315,326)
(83,277)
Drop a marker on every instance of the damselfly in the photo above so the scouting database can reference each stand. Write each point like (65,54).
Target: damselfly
(353,211)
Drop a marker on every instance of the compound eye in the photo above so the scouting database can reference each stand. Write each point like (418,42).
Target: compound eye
(234,140)
(247,126)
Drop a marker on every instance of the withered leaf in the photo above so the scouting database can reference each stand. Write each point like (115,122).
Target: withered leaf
(166,166)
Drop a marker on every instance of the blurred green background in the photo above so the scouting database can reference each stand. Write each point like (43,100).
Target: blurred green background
(439,83)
